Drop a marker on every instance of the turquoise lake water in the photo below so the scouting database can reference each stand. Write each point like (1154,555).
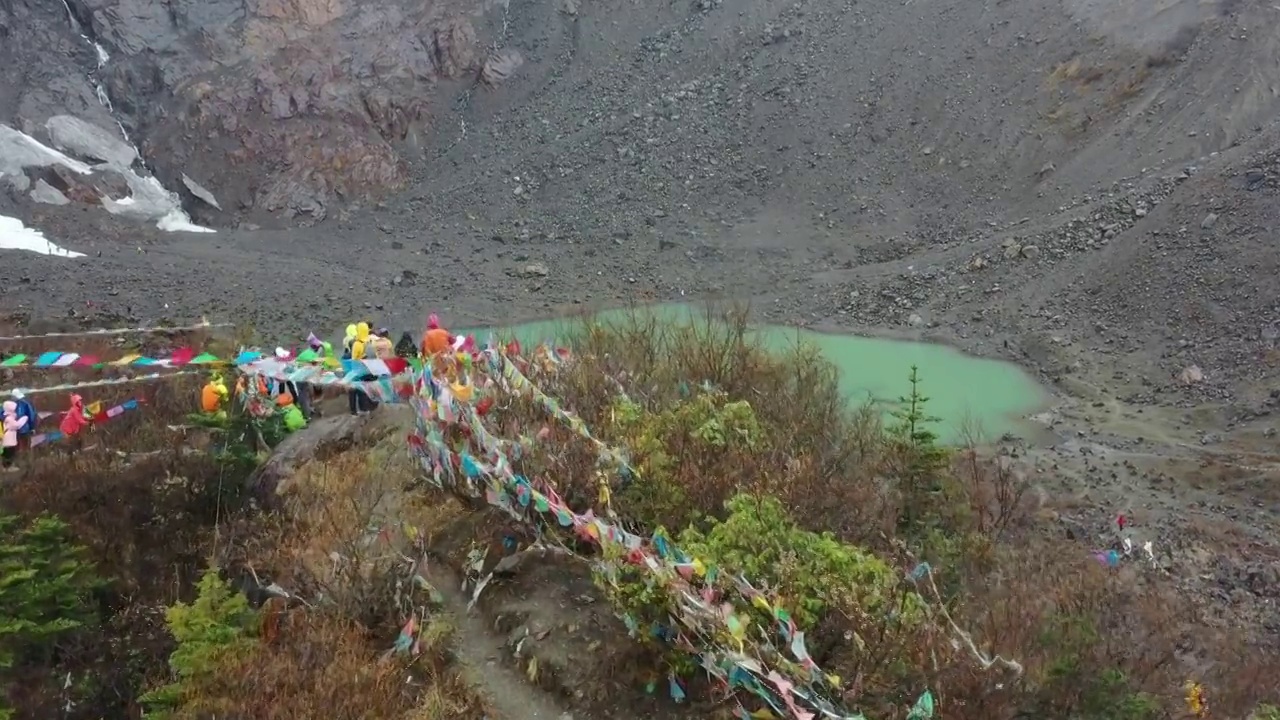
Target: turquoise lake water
(963,391)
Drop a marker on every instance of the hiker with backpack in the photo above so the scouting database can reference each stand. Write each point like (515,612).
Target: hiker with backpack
(362,348)
(28,411)
(12,425)
(406,349)
(304,393)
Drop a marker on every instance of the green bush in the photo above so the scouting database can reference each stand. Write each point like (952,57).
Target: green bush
(812,572)
(219,626)
(676,450)
(46,587)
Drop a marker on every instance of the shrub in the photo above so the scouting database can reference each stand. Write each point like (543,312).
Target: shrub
(1265,712)
(814,573)
(703,436)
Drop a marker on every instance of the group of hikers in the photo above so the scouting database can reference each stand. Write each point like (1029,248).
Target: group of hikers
(361,342)
(18,417)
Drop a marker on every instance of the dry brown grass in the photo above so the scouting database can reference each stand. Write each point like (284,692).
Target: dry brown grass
(315,664)
(340,537)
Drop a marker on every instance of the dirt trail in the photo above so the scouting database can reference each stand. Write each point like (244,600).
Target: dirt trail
(480,652)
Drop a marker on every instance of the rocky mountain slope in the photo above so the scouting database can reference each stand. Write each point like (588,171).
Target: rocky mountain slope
(985,170)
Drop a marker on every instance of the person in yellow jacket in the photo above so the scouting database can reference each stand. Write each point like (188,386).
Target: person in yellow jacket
(348,339)
(362,348)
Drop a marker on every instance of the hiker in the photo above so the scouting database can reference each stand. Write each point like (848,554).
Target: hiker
(28,411)
(362,348)
(323,348)
(382,346)
(294,419)
(75,419)
(12,425)
(406,348)
(348,340)
(213,395)
(304,393)
(436,340)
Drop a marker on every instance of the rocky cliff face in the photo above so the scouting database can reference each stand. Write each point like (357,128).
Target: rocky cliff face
(279,107)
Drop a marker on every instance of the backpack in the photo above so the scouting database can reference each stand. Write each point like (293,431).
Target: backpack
(28,411)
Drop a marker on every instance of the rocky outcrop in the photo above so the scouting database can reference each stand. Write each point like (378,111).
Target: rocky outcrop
(45,193)
(271,478)
(283,106)
(278,106)
(77,137)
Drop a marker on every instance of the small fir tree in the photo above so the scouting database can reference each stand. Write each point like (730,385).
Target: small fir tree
(214,629)
(46,590)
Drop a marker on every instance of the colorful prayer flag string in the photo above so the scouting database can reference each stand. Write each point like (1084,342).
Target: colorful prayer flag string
(96,416)
(59,360)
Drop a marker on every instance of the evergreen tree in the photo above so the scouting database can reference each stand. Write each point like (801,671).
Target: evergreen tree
(46,584)
(213,629)
(924,460)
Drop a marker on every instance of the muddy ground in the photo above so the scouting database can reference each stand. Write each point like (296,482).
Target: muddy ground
(1088,189)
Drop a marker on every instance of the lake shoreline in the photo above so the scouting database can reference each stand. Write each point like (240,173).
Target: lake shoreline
(869,365)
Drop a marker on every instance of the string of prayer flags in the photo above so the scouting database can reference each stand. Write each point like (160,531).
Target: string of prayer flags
(1113,556)
(94,414)
(296,370)
(183,357)
(704,619)
(54,360)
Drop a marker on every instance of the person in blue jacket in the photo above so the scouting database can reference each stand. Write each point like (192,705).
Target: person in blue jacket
(28,411)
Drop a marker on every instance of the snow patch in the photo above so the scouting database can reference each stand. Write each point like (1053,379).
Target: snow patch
(148,200)
(19,150)
(16,236)
(178,221)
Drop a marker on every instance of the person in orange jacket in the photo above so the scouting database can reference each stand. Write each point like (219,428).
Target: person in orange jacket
(213,395)
(436,340)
